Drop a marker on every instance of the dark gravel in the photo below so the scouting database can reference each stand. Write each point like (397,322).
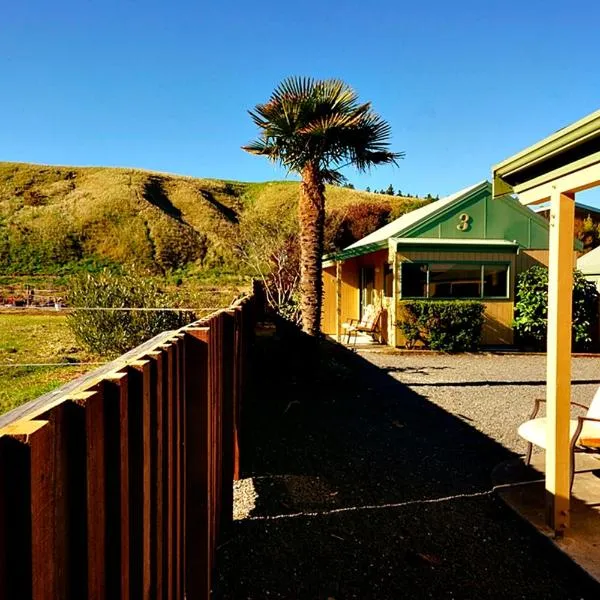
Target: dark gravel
(328,429)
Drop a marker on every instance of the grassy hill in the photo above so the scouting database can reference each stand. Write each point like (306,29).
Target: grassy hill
(55,219)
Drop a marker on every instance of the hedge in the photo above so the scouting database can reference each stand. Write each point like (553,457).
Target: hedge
(446,325)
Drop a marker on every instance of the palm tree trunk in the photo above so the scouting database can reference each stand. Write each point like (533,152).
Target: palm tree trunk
(312,221)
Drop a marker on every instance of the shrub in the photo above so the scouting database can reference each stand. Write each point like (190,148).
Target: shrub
(269,247)
(347,225)
(110,333)
(531,309)
(446,325)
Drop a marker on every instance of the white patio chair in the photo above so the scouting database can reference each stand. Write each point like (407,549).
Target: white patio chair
(584,431)
(368,324)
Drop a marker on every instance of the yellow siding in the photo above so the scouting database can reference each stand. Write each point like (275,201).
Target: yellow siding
(329,301)
(531,258)
(497,327)
(350,292)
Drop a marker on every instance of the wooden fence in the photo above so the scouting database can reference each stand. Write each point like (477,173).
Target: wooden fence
(120,485)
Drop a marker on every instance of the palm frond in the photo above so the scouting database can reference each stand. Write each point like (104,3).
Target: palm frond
(320,122)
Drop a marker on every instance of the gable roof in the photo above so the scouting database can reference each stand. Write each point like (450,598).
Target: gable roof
(401,225)
(412,224)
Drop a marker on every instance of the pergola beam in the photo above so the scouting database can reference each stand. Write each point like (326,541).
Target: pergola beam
(585,178)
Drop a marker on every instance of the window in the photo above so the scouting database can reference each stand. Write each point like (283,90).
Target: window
(454,280)
(495,281)
(388,280)
(367,287)
(414,280)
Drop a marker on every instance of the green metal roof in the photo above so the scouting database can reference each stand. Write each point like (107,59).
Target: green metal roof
(563,152)
(502,223)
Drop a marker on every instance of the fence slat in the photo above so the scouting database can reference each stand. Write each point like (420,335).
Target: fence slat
(157,428)
(69,446)
(227,419)
(15,520)
(198,498)
(139,474)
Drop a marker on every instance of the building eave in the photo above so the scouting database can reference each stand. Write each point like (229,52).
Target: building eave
(568,150)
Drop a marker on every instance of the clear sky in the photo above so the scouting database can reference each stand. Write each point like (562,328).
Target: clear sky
(166,85)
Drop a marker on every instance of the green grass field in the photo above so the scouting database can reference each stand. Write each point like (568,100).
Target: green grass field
(36,338)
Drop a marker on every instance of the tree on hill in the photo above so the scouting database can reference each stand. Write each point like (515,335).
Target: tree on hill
(588,233)
(314,128)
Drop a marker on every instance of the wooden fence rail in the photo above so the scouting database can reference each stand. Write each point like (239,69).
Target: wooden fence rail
(119,486)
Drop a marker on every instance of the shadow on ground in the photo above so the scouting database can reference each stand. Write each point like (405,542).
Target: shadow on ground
(327,430)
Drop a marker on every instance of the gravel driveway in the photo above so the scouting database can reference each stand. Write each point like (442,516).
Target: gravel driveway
(372,479)
(492,392)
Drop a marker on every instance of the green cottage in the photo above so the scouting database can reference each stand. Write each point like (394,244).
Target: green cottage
(466,245)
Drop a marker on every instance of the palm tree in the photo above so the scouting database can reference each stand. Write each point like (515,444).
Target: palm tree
(315,128)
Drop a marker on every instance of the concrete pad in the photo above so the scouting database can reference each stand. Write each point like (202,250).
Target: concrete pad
(523,489)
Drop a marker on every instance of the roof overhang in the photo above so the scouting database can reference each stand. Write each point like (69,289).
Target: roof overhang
(566,161)
(472,245)
(416,244)
(330,259)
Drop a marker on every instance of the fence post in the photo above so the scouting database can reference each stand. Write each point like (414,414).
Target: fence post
(140,466)
(69,445)
(199,499)
(158,497)
(228,421)
(29,517)
(169,490)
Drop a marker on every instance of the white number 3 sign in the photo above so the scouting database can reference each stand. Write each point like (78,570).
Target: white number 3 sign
(465,222)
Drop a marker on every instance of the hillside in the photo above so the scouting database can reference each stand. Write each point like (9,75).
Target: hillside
(54,219)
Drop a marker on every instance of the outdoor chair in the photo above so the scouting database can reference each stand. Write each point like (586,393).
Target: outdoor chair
(584,431)
(368,324)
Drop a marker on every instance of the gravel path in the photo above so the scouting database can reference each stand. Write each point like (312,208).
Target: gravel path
(493,393)
(349,455)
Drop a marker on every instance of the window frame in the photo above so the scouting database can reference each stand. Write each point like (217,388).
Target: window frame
(481,264)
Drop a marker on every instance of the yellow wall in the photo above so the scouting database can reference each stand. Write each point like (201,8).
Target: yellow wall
(328,318)
(350,304)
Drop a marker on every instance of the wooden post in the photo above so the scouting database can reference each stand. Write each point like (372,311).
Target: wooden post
(198,478)
(157,429)
(228,419)
(33,499)
(169,487)
(70,537)
(560,293)
(338,300)
(396,288)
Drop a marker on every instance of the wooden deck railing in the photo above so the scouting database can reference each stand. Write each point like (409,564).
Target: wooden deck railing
(119,485)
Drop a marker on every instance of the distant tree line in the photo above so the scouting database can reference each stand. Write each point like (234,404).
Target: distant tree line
(390,191)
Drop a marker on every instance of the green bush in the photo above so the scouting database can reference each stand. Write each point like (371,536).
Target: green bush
(446,325)
(531,309)
(111,333)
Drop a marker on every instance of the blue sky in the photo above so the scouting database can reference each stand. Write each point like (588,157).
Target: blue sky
(166,86)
